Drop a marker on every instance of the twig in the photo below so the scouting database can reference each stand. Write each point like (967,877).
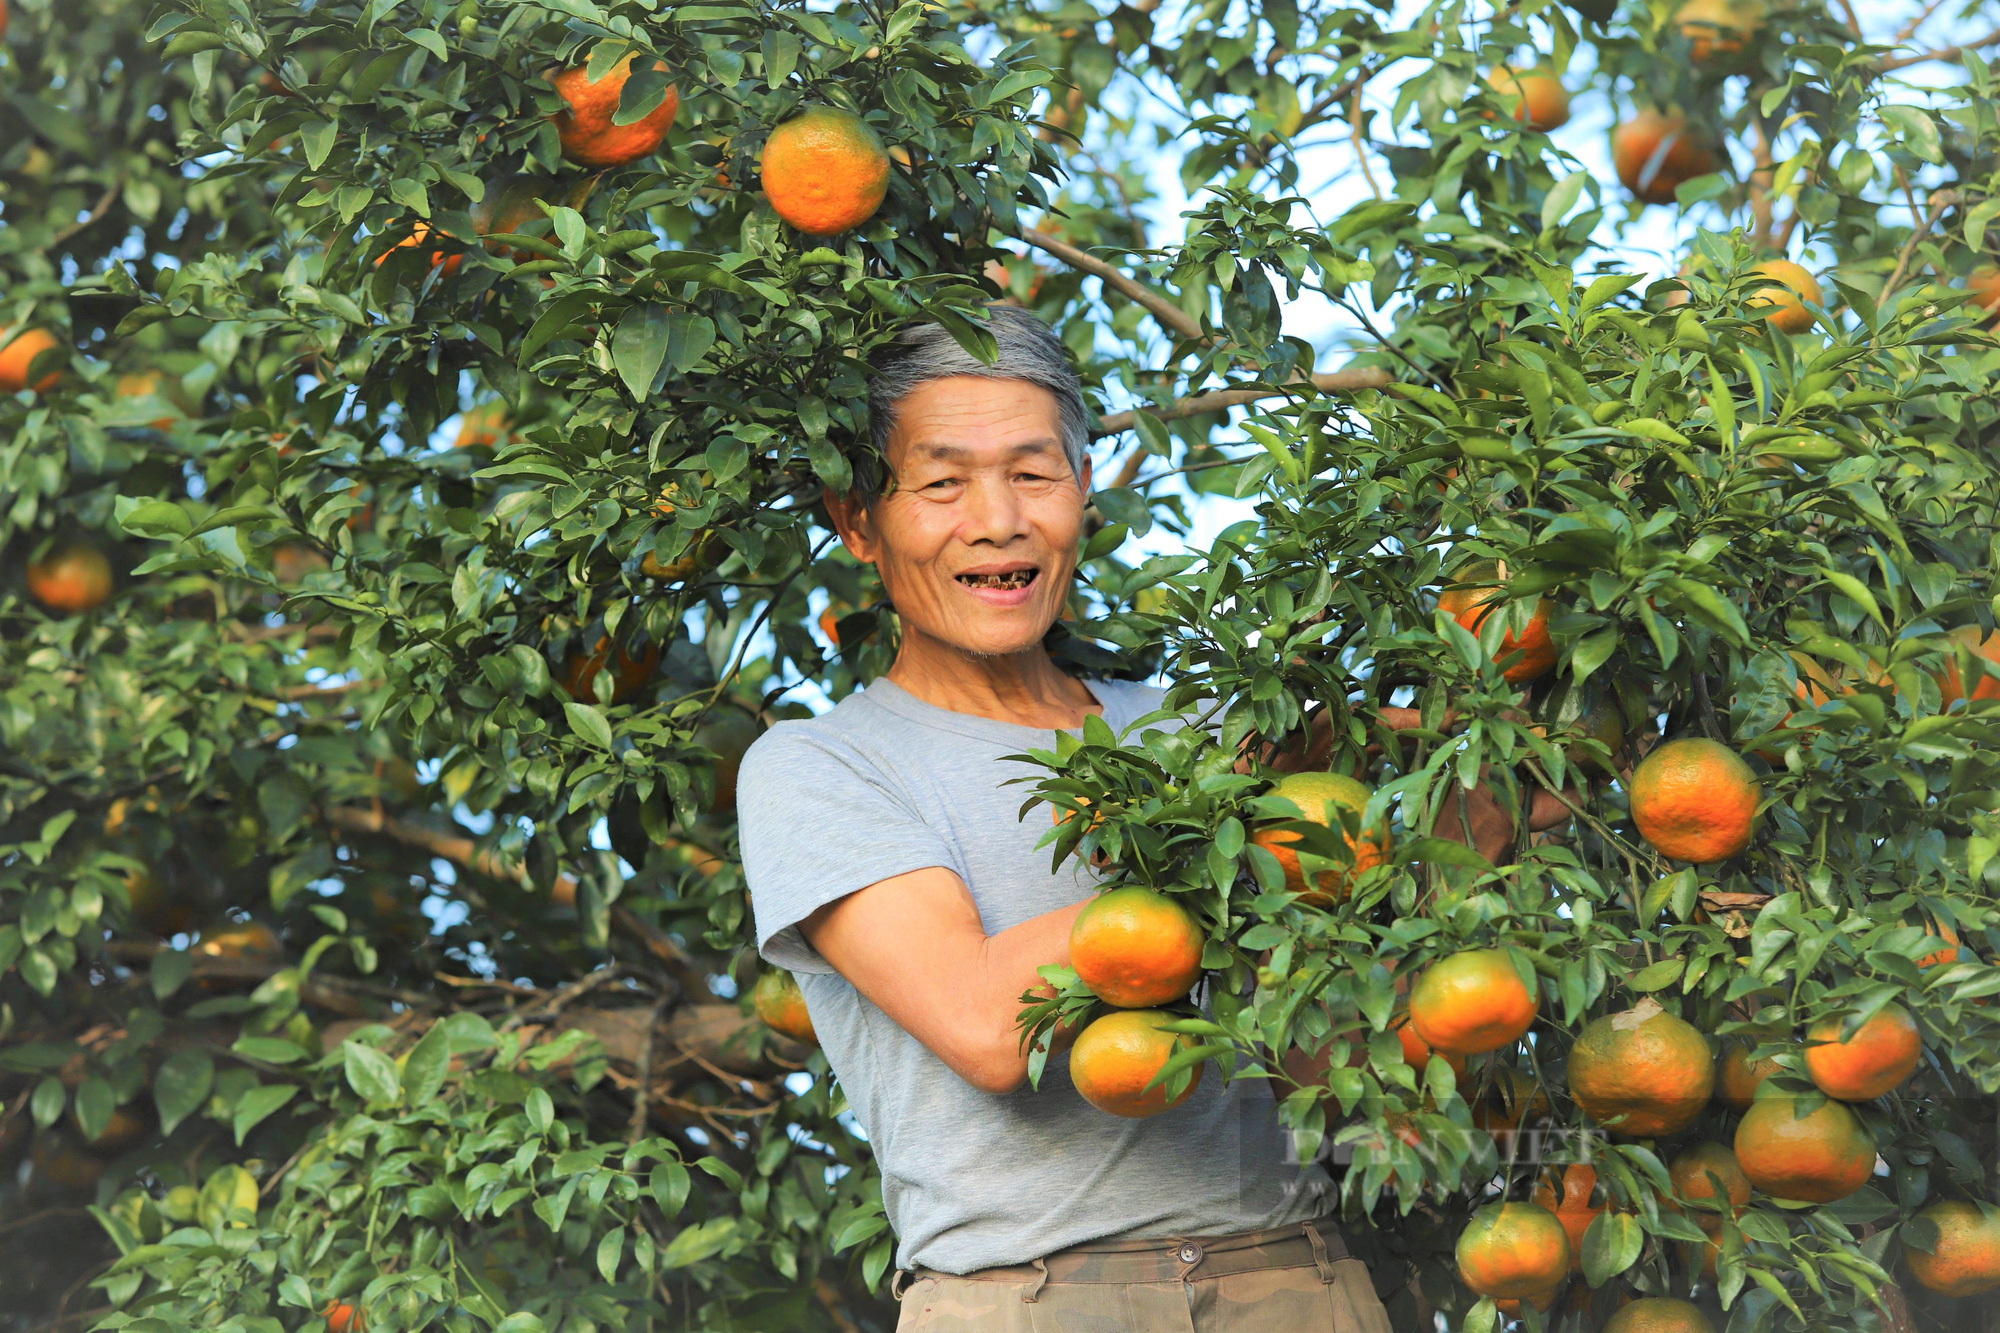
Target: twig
(1909,30)
(335,993)
(1853,19)
(96,213)
(555,1002)
(1337,381)
(1940,201)
(644,1072)
(1942,53)
(1169,314)
(836,1309)
(1361,147)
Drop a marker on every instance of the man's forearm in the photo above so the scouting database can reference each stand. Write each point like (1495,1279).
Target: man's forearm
(915,946)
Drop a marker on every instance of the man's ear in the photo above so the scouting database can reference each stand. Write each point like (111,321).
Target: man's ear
(1083,479)
(850,518)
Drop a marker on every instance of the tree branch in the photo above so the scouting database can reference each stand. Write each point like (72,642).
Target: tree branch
(1337,381)
(1940,201)
(96,214)
(1942,53)
(1162,309)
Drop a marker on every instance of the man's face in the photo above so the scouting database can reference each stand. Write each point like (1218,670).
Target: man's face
(976,542)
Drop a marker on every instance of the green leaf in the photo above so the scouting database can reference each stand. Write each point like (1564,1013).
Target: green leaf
(181,1086)
(693,1244)
(1857,592)
(153,518)
(639,347)
(46,1105)
(1919,133)
(588,721)
(370,1073)
(258,1104)
(1657,976)
(424,1067)
(317,137)
(1611,1245)
(610,1249)
(169,971)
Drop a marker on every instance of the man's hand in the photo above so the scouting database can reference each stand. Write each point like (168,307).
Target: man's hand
(914,945)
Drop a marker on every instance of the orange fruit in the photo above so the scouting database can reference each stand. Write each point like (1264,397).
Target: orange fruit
(1642,1073)
(1417,1051)
(1535,98)
(70,580)
(1795,286)
(1953,952)
(704,553)
(17,357)
(1513,1251)
(1984,284)
(1659,1314)
(588,137)
(481,427)
(1966,1258)
(252,939)
(825,171)
(421,235)
(1512,1102)
(123,1130)
(154,905)
(144,384)
(1654,152)
(1695,1174)
(511,203)
(342,1317)
(782,1005)
(628,673)
(1470,606)
(1316,795)
(1718,27)
(1951,687)
(1136,948)
(1818,1157)
(1695,800)
(1574,1209)
(1117,1056)
(1471,1002)
(1737,1076)
(1881,1054)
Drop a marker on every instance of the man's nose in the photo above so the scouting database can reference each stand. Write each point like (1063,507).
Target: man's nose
(991,513)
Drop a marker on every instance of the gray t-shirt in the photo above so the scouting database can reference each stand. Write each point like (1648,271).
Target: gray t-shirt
(884,784)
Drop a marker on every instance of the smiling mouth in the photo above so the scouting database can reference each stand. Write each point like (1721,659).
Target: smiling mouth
(1013,578)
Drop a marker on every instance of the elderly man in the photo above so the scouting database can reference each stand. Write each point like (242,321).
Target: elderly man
(888,866)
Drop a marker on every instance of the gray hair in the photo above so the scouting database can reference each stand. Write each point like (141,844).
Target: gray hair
(1029,351)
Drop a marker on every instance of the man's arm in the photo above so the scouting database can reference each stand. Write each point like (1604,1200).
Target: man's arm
(913,944)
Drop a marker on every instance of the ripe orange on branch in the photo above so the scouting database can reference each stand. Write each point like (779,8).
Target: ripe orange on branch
(1737,1076)
(1965,1260)
(782,1005)
(589,137)
(70,580)
(1659,1314)
(1516,1251)
(1818,1157)
(1951,684)
(628,673)
(1718,27)
(1786,300)
(1471,1002)
(1470,605)
(1882,1053)
(1642,1073)
(420,235)
(1655,152)
(1119,1054)
(1695,800)
(825,171)
(1536,98)
(17,358)
(1136,948)
(1574,1209)
(1317,795)
(1695,1174)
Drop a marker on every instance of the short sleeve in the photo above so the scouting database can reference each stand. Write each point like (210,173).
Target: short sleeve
(817,825)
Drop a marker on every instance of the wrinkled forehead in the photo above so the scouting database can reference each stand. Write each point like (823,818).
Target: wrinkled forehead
(964,421)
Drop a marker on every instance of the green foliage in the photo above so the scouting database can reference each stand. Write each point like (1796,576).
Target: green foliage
(370,928)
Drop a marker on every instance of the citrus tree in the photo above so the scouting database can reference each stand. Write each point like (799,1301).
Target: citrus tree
(410,477)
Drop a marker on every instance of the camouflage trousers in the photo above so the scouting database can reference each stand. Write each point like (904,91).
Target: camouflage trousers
(1295,1279)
